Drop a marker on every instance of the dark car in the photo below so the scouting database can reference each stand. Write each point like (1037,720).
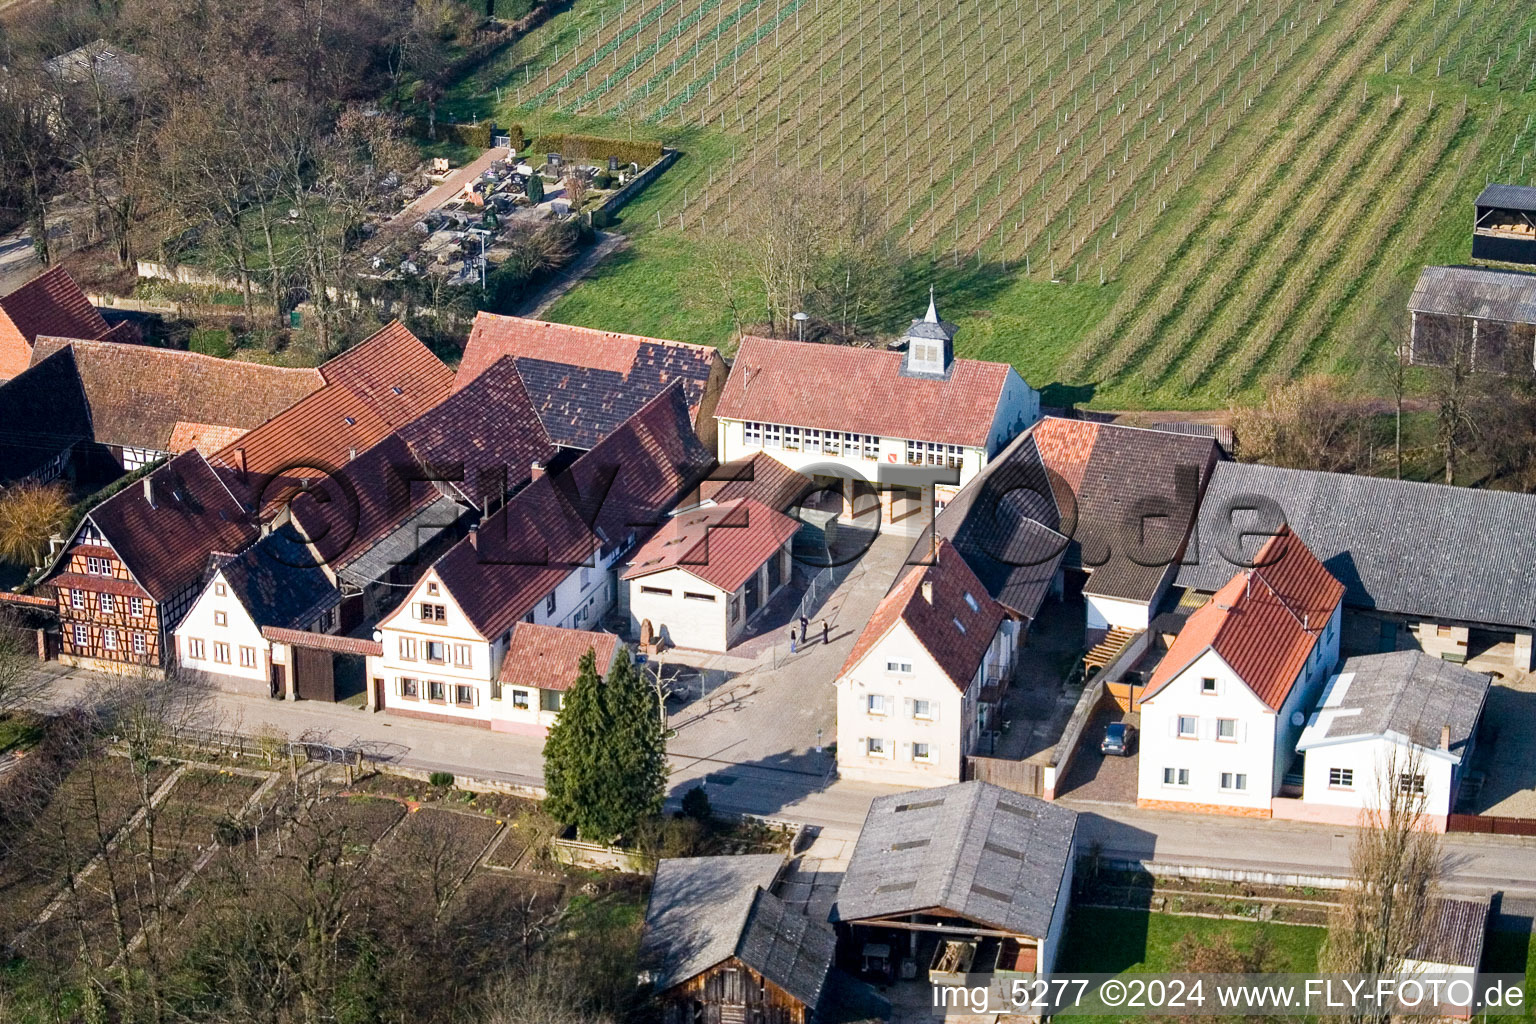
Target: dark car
(1119,740)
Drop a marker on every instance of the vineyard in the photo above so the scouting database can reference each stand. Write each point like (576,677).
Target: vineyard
(1244,186)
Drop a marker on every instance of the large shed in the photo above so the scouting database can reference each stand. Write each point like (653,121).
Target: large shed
(1482,319)
(1505,228)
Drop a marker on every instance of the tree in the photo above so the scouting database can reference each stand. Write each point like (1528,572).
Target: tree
(1219,954)
(535,188)
(30,513)
(1303,424)
(1395,864)
(576,189)
(605,762)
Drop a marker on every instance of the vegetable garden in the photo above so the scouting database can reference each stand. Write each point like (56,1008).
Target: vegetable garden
(1250,181)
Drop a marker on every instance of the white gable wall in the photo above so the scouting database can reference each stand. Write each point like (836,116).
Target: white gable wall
(1366,758)
(1017,409)
(239,632)
(1205,757)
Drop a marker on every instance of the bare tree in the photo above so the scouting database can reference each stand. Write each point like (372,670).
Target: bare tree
(1303,424)
(1395,866)
(30,513)
(576,188)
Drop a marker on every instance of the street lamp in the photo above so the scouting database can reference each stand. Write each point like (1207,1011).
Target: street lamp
(801,318)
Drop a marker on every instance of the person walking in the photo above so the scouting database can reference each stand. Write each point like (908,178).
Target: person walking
(791,639)
(805,630)
(824,629)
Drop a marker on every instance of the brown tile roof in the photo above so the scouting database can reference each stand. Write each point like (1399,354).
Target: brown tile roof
(52,304)
(761,477)
(557,523)
(138,394)
(721,544)
(861,390)
(355,410)
(549,658)
(395,374)
(1263,623)
(323,641)
(959,652)
(207,438)
(585,382)
(165,545)
(486,433)
(1127,496)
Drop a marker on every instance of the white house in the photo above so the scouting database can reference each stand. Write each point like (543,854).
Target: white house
(220,637)
(707,572)
(910,696)
(540,665)
(1405,720)
(900,431)
(1222,710)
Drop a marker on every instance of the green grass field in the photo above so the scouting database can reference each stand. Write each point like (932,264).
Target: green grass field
(1255,185)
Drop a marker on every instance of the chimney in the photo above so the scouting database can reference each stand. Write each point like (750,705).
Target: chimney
(474,536)
(536,470)
(1445,737)
(928,591)
(149,491)
(351,454)
(240,461)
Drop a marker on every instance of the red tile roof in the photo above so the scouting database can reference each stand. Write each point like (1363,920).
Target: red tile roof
(355,410)
(549,658)
(494,336)
(1263,623)
(721,544)
(323,641)
(959,652)
(761,477)
(557,523)
(49,304)
(139,394)
(861,390)
(165,545)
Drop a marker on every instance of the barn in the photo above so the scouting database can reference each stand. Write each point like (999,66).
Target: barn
(1505,228)
(1481,319)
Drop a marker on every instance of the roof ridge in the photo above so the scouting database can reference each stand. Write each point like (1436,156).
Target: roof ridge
(175,353)
(598,331)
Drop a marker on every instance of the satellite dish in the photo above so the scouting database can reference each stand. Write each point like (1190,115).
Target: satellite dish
(378,636)
(1297,718)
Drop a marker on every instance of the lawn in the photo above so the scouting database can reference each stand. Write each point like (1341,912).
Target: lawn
(1136,942)
(1255,187)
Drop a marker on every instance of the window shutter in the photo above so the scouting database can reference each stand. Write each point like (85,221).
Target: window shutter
(1242,731)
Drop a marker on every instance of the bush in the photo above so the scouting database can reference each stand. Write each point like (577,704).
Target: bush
(211,341)
(30,513)
(441,779)
(535,188)
(602,180)
(696,805)
(594,147)
(477,136)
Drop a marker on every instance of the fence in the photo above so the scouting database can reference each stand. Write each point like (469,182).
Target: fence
(1488,825)
(1019,776)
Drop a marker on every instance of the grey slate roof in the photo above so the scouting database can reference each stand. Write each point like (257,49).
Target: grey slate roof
(1510,197)
(278,585)
(1457,928)
(401,544)
(1472,291)
(704,910)
(1409,693)
(1005,525)
(1406,548)
(43,414)
(994,857)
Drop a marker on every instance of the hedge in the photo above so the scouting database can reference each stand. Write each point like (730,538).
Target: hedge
(593,147)
(475,136)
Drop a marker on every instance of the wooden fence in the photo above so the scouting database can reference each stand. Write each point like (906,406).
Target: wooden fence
(1019,776)
(1489,825)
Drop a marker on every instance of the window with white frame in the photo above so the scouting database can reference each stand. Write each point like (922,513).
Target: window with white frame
(1341,778)
(874,747)
(140,644)
(919,751)
(1226,729)
(408,648)
(95,566)
(773,435)
(792,439)
(461,655)
(1175,776)
(136,607)
(109,639)
(1234,781)
(922,709)
(107,603)
(410,688)
(752,433)
(77,600)
(871,447)
(1410,785)
(82,636)
(520,699)
(832,443)
(899,667)
(875,704)
(927,453)
(812,440)
(1208,685)
(1188,726)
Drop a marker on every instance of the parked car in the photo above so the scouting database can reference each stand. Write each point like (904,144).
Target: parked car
(1119,740)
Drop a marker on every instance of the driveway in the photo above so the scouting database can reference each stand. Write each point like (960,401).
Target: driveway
(1093,778)
(1506,751)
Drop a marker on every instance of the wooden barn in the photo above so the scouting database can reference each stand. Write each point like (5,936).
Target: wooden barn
(722,949)
(1481,319)
(1505,228)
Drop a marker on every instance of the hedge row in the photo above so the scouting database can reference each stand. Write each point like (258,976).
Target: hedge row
(476,136)
(593,147)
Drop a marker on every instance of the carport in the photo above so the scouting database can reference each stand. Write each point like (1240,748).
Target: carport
(304,664)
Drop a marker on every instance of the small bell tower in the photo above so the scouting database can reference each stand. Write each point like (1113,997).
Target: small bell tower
(930,344)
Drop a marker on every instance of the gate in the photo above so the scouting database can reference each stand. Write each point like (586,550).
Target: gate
(314,674)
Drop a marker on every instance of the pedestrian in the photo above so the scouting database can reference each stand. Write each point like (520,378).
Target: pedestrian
(805,629)
(824,631)
(791,639)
